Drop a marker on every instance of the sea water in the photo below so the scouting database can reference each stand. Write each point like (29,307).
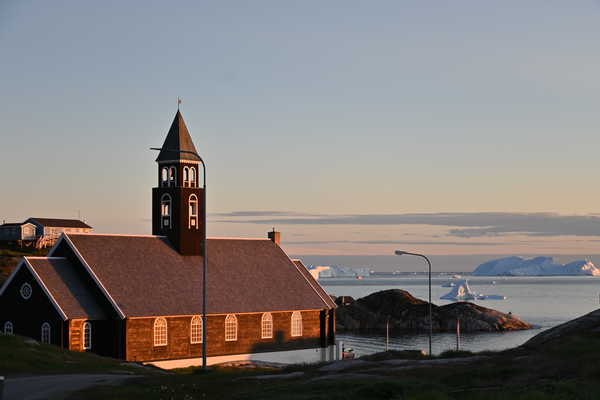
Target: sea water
(541,301)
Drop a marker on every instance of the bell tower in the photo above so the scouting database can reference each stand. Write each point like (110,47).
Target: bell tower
(177,200)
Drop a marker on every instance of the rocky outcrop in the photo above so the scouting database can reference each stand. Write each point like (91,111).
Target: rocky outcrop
(588,324)
(409,314)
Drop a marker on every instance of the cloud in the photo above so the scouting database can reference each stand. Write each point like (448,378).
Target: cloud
(394,242)
(236,214)
(465,225)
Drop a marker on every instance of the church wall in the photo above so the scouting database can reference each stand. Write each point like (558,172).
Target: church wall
(140,345)
(27,316)
(105,340)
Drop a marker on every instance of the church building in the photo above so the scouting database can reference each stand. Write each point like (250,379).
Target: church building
(139,297)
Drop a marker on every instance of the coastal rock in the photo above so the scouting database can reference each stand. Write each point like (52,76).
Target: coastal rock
(409,314)
(589,324)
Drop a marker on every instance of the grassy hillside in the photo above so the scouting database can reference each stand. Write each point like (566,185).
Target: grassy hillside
(23,356)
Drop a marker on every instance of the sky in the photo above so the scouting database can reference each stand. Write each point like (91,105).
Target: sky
(354,127)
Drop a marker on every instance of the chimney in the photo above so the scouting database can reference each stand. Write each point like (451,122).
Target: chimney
(275,236)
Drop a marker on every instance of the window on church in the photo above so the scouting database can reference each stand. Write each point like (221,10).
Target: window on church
(87,335)
(296,323)
(172,176)
(164,176)
(193,212)
(196,330)
(186,176)
(192,177)
(231,327)
(160,332)
(266,326)
(165,210)
(8,328)
(46,333)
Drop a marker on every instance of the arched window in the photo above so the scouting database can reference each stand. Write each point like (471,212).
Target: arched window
(87,335)
(172,176)
(196,330)
(266,326)
(186,176)
(296,323)
(193,177)
(46,333)
(165,210)
(8,328)
(164,177)
(193,212)
(231,327)
(160,332)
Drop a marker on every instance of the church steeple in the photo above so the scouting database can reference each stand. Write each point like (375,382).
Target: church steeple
(176,206)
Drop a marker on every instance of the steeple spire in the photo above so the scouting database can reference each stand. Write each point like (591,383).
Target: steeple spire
(178,139)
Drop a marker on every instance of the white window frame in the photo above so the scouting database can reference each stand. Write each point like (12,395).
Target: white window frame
(26,291)
(231,328)
(87,335)
(8,328)
(172,176)
(296,324)
(192,216)
(266,326)
(196,329)
(186,176)
(193,177)
(161,332)
(166,200)
(164,176)
(46,334)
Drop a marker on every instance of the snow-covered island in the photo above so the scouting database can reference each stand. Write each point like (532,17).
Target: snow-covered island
(538,266)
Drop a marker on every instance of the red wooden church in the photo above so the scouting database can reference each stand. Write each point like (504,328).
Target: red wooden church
(139,298)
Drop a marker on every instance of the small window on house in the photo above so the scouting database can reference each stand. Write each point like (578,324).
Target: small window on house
(172,176)
(87,335)
(196,330)
(193,176)
(296,323)
(164,176)
(46,333)
(193,212)
(8,328)
(186,176)
(231,327)
(26,291)
(165,210)
(160,332)
(266,326)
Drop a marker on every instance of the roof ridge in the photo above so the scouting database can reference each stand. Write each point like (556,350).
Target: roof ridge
(112,234)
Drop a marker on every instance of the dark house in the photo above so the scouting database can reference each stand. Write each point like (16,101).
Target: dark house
(139,298)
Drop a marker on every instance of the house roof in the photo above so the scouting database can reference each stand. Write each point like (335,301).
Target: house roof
(178,139)
(327,298)
(67,286)
(61,223)
(146,276)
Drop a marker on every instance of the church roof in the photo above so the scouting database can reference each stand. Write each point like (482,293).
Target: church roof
(146,276)
(67,286)
(59,222)
(178,139)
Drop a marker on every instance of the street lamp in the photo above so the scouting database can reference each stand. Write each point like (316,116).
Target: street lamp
(402,253)
(205,251)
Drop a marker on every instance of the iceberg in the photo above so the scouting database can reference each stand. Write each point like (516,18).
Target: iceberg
(538,266)
(461,291)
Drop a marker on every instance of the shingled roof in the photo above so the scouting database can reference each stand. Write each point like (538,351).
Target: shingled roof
(178,139)
(60,223)
(67,286)
(146,276)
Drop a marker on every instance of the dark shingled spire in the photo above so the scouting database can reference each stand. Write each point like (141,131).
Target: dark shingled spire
(178,138)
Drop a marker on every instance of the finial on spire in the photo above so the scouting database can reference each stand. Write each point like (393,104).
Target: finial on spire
(178,102)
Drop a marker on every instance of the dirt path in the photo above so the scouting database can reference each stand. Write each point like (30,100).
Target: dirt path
(55,386)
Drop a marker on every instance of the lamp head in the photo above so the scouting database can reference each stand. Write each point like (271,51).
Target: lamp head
(400,252)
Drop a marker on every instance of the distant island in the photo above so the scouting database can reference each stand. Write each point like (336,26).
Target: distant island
(538,266)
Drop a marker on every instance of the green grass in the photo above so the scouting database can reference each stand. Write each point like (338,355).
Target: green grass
(18,357)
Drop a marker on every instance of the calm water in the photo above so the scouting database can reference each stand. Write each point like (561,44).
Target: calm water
(542,301)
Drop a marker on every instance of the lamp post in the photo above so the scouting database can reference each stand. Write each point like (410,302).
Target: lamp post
(401,253)
(205,250)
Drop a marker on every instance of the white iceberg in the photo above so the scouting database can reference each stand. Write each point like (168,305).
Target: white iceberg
(538,266)
(461,291)
(490,297)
